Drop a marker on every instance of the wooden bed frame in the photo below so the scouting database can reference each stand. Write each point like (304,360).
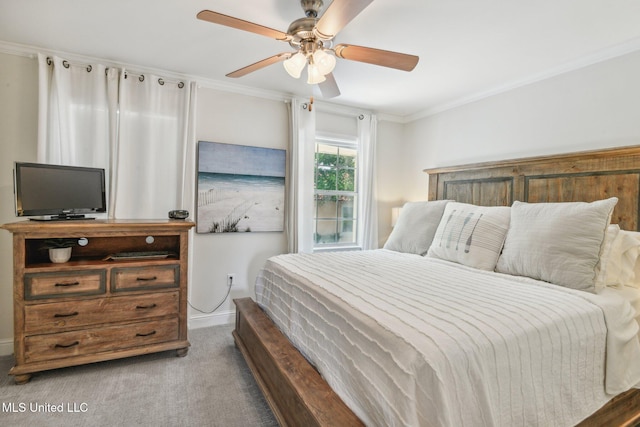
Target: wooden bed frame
(296,392)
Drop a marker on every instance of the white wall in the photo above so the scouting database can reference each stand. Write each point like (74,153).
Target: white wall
(392,174)
(18,137)
(243,120)
(594,107)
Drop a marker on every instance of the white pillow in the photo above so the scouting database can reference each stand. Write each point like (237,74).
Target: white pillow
(471,235)
(619,260)
(416,226)
(605,267)
(556,242)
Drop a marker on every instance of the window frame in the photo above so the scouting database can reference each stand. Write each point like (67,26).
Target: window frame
(339,141)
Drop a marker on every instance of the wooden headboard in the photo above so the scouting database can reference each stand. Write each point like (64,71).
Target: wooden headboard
(584,176)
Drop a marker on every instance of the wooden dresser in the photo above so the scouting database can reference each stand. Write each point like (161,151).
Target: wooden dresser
(93,307)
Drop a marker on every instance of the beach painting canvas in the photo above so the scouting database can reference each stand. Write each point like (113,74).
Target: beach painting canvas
(240,188)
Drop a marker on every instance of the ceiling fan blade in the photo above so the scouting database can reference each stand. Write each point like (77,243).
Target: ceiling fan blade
(260,64)
(338,14)
(329,87)
(386,58)
(240,24)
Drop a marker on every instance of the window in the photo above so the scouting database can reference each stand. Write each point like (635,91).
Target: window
(335,193)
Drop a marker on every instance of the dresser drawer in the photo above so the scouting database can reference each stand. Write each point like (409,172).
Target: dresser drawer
(62,316)
(152,277)
(90,341)
(64,284)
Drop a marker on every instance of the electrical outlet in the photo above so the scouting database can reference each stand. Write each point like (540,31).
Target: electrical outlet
(231,279)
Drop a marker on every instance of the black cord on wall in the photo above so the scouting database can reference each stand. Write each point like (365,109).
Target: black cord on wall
(217,306)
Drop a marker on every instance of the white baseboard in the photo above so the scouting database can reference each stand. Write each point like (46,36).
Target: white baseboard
(197,321)
(6,347)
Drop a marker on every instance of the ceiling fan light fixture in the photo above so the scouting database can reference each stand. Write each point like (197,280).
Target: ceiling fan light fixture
(314,76)
(312,40)
(295,64)
(325,62)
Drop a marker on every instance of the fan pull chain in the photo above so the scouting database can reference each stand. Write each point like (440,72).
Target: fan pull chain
(310,104)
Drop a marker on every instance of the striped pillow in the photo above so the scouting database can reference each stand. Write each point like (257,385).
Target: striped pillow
(471,235)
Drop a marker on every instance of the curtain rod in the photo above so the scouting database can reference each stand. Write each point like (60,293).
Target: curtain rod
(161,81)
(67,64)
(89,67)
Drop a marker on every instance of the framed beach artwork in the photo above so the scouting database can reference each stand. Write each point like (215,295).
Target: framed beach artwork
(240,188)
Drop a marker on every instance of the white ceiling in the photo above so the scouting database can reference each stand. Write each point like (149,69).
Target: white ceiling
(466,47)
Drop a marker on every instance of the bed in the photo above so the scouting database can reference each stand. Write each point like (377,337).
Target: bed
(569,358)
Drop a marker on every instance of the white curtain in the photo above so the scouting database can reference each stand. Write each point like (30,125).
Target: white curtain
(113,82)
(189,173)
(74,124)
(299,225)
(301,182)
(368,224)
(139,129)
(150,150)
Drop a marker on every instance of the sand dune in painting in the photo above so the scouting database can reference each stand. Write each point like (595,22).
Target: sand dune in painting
(241,204)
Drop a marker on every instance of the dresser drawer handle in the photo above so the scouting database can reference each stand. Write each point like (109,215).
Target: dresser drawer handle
(75,313)
(146,279)
(146,335)
(73,344)
(146,307)
(67,284)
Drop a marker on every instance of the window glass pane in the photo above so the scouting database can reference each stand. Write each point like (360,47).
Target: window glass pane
(326,149)
(346,169)
(346,223)
(326,167)
(326,231)
(346,207)
(326,206)
(326,178)
(332,231)
(335,199)
(347,231)
(347,157)
(346,180)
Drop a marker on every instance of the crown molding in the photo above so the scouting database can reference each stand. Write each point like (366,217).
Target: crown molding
(17,49)
(384,117)
(615,51)
(32,52)
(329,107)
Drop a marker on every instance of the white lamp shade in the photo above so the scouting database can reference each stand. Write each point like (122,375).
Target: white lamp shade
(314,75)
(295,65)
(325,62)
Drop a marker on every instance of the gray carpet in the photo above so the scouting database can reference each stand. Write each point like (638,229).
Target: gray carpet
(211,386)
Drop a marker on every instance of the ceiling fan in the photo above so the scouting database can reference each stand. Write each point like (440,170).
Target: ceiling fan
(312,37)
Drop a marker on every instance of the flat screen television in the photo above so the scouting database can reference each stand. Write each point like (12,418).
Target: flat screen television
(64,192)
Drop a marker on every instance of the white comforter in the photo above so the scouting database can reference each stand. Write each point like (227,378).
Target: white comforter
(409,340)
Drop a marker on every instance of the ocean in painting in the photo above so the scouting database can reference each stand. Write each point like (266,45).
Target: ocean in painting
(239,203)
